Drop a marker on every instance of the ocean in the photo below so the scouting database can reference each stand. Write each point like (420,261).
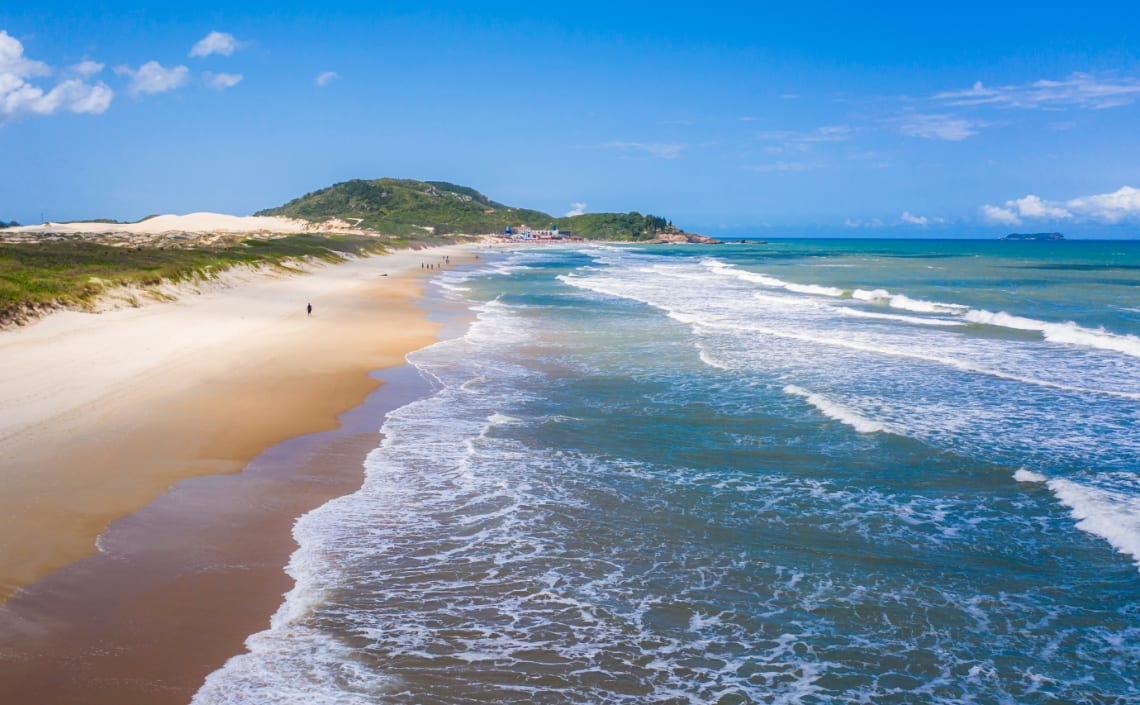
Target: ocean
(806,471)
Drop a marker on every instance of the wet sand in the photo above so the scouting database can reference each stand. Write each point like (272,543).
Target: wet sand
(181,583)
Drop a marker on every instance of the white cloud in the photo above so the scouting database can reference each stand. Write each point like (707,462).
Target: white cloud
(938,127)
(325,77)
(576,208)
(152,77)
(661,150)
(1000,216)
(910,219)
(18,97)
(858,223)
(214,43)
(221,81)
(1122,204)
(1079,90)
(87,68)
(14,63)
(802,141)
(781,166)
(1033,207)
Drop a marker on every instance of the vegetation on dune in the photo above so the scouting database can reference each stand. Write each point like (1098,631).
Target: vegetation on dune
(408,207)
(9,224)
(37,277)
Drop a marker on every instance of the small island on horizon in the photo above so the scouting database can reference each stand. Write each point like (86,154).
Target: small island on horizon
(1034,237)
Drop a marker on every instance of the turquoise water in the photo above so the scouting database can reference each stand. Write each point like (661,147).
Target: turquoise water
(806,471)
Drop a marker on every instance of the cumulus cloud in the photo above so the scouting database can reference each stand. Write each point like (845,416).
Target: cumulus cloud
(938,127)
(19,97)
(576,208)
(1033,207)
(1122,204)
(1115,207)
(14,63)
(910,219)
(661,150)
(999,216)
(325,77)
(221,81)
(214,43)
(1078,90)
(87,68)
(152,77)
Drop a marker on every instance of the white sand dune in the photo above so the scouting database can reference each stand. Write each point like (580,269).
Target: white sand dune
(190,223)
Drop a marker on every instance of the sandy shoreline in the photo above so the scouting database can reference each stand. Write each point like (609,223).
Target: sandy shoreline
(103,413)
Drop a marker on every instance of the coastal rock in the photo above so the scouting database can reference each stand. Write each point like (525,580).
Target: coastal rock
(685,238)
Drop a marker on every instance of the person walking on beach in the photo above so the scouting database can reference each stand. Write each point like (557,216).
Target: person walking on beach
(309,310)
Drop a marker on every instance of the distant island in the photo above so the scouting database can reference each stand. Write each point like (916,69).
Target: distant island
(1034,237)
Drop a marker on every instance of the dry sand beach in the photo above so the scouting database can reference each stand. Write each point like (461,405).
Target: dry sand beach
(103,413)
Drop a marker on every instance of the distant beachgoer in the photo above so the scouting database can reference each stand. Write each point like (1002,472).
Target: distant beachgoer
(309,310)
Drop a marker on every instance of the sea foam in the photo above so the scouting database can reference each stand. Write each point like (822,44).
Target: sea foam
(720,268)
(1067,333)
(1112,515)
(905,303)
(838,412)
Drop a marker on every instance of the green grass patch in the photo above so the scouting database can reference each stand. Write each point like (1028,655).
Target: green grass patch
(40,276)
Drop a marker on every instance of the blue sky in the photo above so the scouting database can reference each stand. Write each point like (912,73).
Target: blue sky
(729,118)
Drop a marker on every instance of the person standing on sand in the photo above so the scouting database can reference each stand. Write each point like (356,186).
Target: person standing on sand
(309,310)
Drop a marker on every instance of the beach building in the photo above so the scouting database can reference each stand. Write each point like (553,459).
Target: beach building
(526,232)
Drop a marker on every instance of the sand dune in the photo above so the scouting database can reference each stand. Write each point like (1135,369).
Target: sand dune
(190,223)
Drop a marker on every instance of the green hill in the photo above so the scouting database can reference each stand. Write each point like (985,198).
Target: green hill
(408,207)
(420,208)
(616,226)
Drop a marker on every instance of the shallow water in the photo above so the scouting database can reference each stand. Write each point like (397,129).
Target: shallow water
(839,471)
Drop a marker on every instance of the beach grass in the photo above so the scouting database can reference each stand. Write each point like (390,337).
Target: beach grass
(41,276)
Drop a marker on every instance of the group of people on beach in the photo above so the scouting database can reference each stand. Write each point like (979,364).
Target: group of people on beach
(446,259)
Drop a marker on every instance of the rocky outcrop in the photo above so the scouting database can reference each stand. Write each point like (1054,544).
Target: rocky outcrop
(685,238)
